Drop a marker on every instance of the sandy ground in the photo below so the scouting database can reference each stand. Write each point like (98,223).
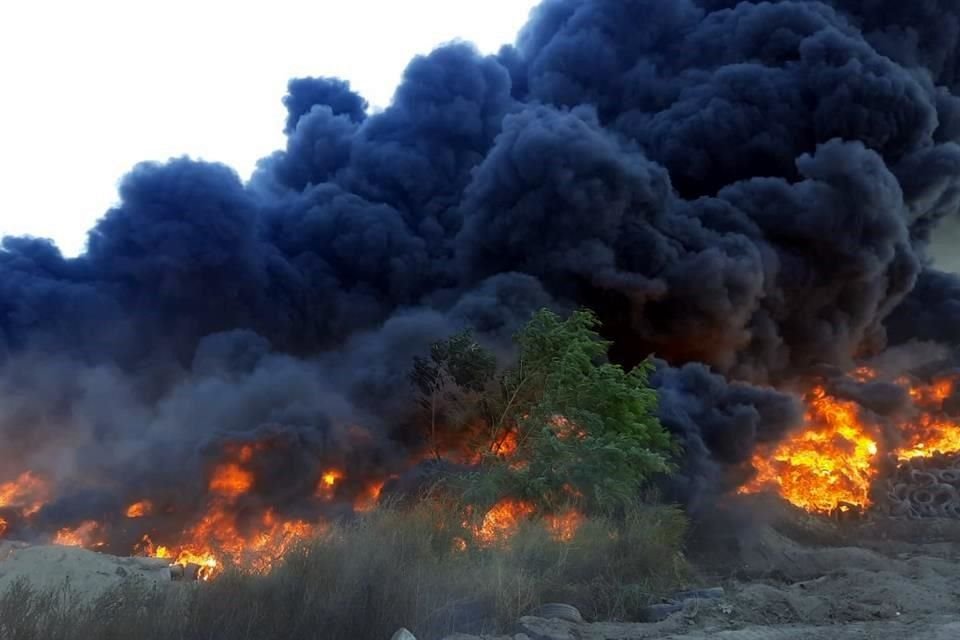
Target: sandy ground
(85,572)
(792,590)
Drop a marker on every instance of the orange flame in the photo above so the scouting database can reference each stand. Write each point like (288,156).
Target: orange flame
(929,434)
(368,500)
(864,374)
(221,536)
(327,485)
(140,509)
(831,462)
(28,493)
(230,479)
(507,445)
(502,521)
(930,396)
(563,526)
(81,536)
(565,428)
(217,536)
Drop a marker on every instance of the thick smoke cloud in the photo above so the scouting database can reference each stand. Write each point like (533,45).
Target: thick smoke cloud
(745,189)
(718,424)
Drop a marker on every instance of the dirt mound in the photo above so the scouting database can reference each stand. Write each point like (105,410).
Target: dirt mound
(786,568)
(84,572)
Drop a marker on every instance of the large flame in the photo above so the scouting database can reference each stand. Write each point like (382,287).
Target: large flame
(833,461)
(828,464)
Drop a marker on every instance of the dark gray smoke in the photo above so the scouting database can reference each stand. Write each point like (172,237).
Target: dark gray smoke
(746,189)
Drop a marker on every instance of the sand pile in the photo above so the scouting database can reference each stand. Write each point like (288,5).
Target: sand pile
(83,571)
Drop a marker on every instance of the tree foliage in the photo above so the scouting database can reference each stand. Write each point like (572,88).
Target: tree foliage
(561,424)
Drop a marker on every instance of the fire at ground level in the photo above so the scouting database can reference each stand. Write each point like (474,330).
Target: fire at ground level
(785,574)
(845,459)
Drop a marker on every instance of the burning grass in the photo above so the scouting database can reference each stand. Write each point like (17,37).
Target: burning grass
(387,569)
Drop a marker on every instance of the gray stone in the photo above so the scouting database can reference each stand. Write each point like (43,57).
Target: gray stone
(544,629)
(713,593)
(403,634)
(556,610)
(658,612)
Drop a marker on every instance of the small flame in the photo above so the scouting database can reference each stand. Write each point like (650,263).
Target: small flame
(501,522)
(328,481)
(230,479)
(206,562)
(565,428)
(368,500)
(81,536)
(246,453)
(28,493)
(563,526)
(931,433)
(140,509)
(507,445)
(864,374)
(930,436)
(928,396)
(216,536)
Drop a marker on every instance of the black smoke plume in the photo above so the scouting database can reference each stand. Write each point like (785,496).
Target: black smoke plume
(745,189)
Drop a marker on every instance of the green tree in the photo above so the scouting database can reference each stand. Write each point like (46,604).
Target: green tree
(582,430)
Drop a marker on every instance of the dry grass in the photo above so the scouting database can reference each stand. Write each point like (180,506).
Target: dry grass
(367,578)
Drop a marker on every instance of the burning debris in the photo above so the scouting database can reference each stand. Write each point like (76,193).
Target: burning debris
(746,189)
(830,462)
(835,461)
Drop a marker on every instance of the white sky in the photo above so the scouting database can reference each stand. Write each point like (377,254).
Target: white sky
(89,88)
